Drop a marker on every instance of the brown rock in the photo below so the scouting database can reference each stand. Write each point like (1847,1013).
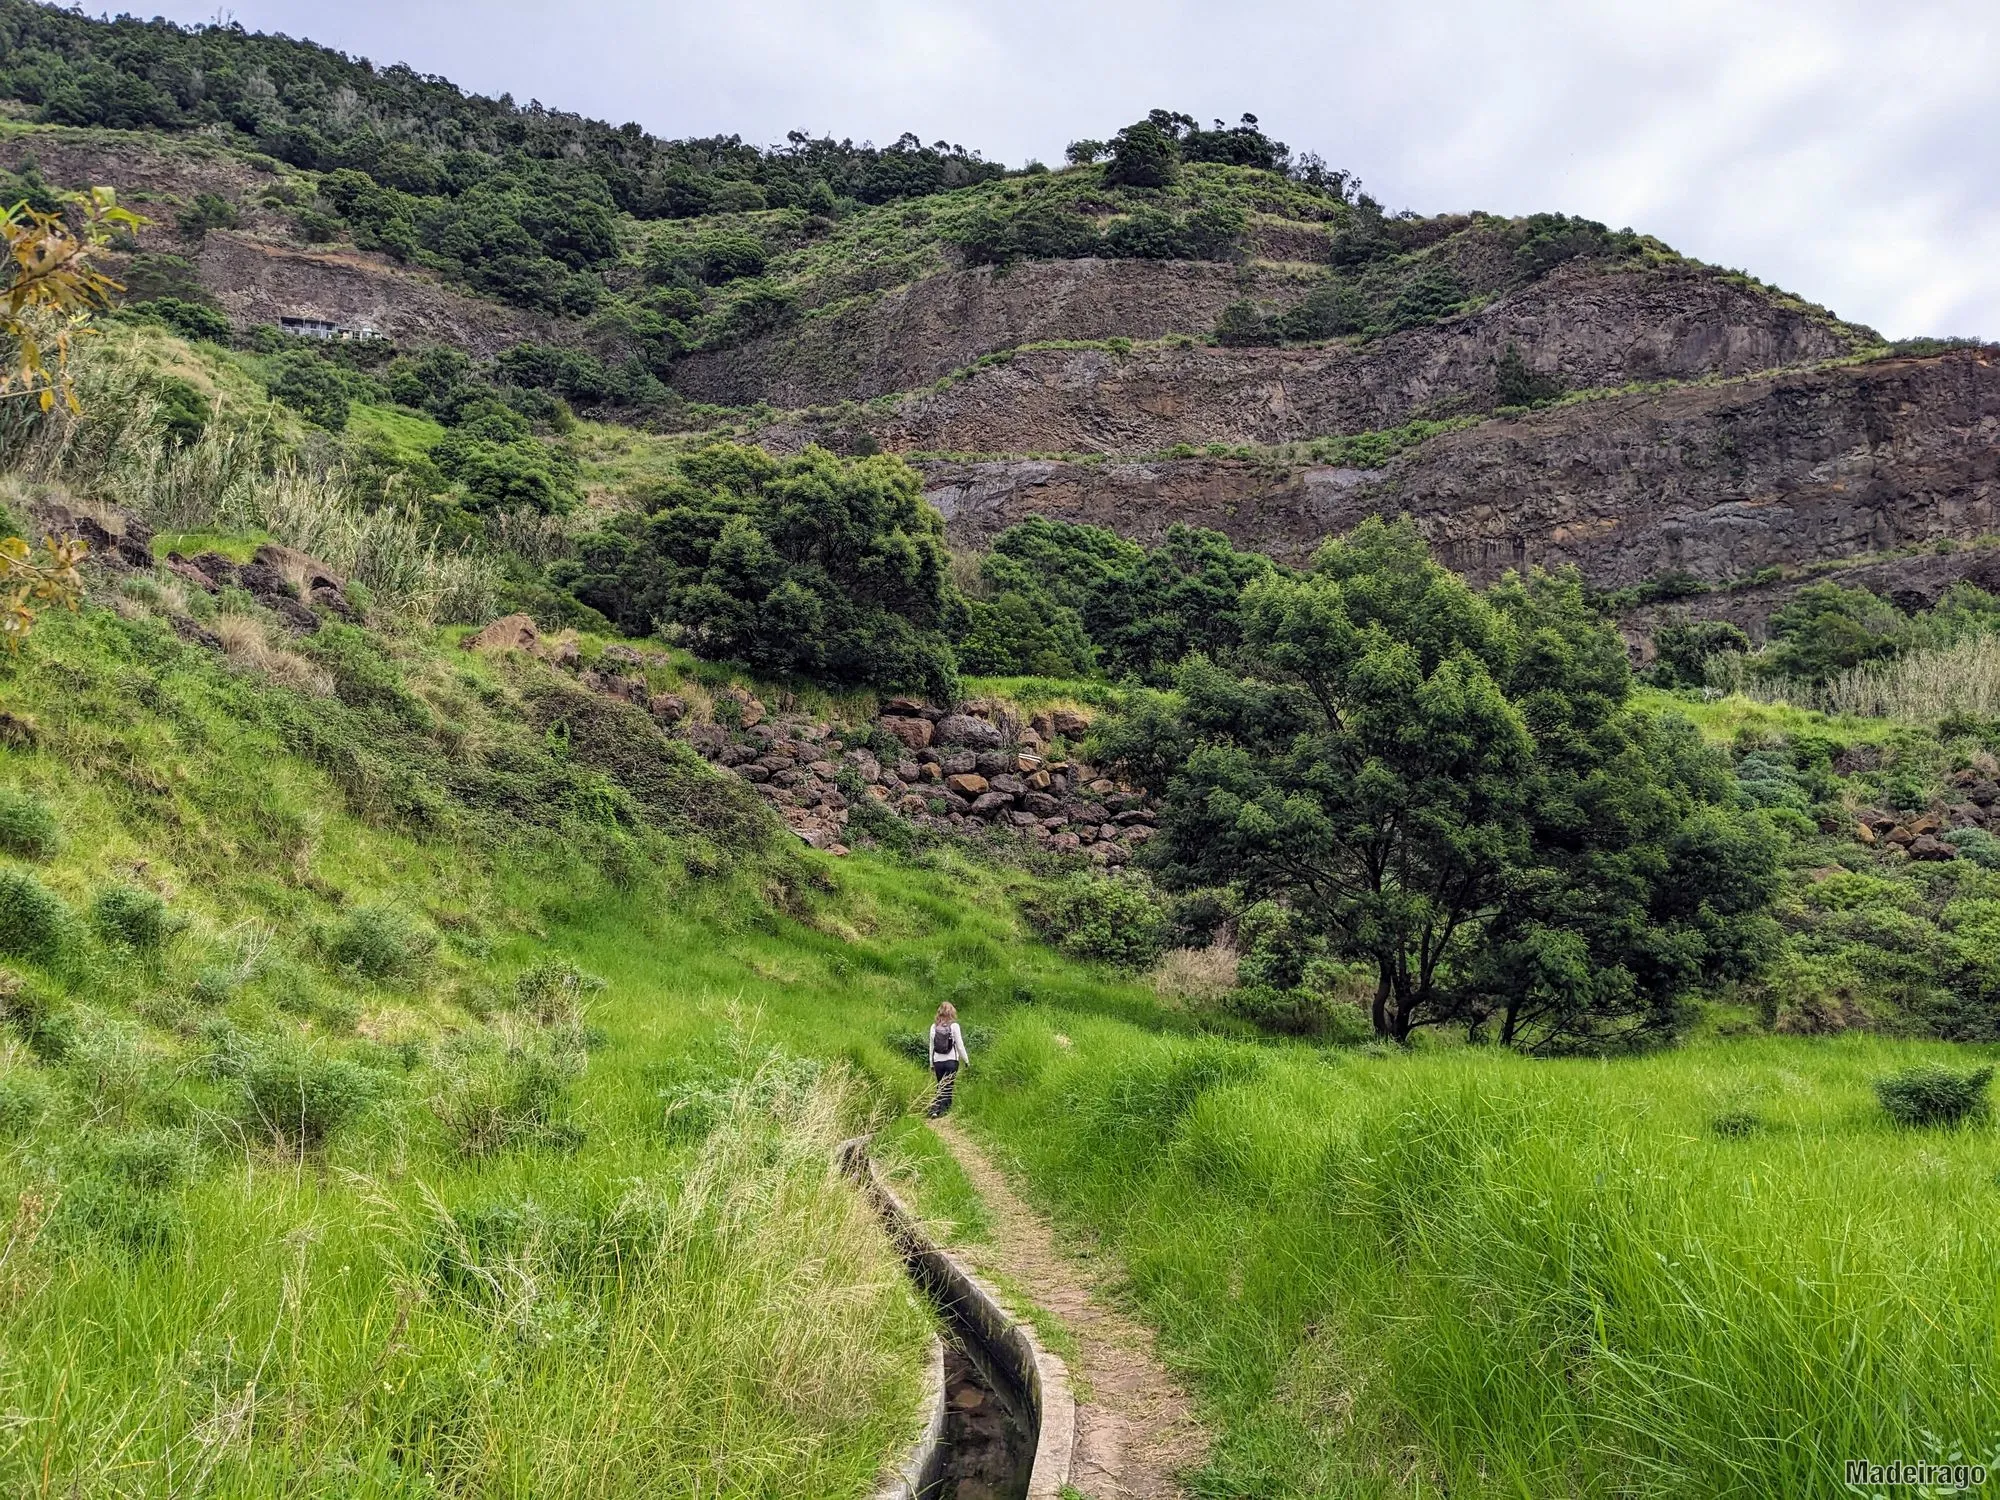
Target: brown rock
(1068,723)
(508,633)
(903,707)
(1926,847)
(566,652)
(964,729)
(1983,793)
(1923,823)
(987,804)
(1140,834)
(1068,843)
(1901,837)
(1039,780)
(187,572)
(1875,818)
(1864,834)
(1042,724)
(749,708)
(668,708)
(967,783)
(931,771)
(913,732)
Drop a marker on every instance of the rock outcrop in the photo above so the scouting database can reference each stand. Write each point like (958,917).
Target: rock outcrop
(1716,480)
(917,333)
(1587,327)
(257,281)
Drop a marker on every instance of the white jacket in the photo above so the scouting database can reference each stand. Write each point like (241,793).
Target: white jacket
(957,1045)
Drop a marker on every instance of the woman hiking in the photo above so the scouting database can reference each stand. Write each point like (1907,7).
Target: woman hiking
(947,1055)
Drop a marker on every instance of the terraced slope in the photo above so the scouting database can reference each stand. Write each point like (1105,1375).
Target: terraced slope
(1712,479)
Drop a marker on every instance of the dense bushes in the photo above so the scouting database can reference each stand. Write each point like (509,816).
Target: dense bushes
(832,568)
(132,918)
(1120,921)
(298,1096)
(1054,587)
(28,826)
(321,110)
(381,943)
(1054,231)
(1932,1094)
(34,922)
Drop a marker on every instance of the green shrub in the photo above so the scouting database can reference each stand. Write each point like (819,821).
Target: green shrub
(555,991)
(151,1160)
(213,985)
(1977,845)
(494,1098)
(197,320)
(28,826)
(311,387)
(1932,1094)
(133,918)
(34,922)
(381,943)
(208,211)
(113,1211)
(23,1098)
(1733,1124)
(298,1096)
(40,1021)
(1301,1012)
(1118,920)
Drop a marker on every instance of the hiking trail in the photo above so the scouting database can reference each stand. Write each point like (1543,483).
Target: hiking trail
(1135,1426)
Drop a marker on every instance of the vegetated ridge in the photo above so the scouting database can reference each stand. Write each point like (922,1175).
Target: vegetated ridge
(490,826)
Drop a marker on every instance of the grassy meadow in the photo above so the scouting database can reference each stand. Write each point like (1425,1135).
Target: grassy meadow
(336,1171)
(1716,1271)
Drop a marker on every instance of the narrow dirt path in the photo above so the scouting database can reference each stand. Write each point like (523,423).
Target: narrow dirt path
(1135,1427)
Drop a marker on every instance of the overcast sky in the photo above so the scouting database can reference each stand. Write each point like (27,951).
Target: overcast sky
(1846,151)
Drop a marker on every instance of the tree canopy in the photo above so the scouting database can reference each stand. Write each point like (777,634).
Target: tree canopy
(833,568)
(1451,789)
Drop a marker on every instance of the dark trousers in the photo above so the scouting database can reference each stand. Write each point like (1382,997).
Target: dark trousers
(947,1077)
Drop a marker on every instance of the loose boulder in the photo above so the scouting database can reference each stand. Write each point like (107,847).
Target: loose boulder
(964,729)
(508,633)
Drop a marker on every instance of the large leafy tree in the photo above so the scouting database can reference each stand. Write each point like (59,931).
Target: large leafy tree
(1141,609)
(835,569)
(1452,789)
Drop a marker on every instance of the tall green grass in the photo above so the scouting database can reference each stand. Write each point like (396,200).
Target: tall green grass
(342,1187)
(1719,1272)
(238,476)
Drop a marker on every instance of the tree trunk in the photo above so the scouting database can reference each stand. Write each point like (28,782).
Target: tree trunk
(1381,1014)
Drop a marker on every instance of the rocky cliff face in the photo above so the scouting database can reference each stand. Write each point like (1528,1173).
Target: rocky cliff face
(260,273)
(1714,480)
(1588,327)
(256,281)
(917,333)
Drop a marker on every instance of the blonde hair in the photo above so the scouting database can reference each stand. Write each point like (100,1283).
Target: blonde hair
(947,1012)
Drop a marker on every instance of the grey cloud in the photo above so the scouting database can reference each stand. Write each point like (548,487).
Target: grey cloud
(1844,151)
